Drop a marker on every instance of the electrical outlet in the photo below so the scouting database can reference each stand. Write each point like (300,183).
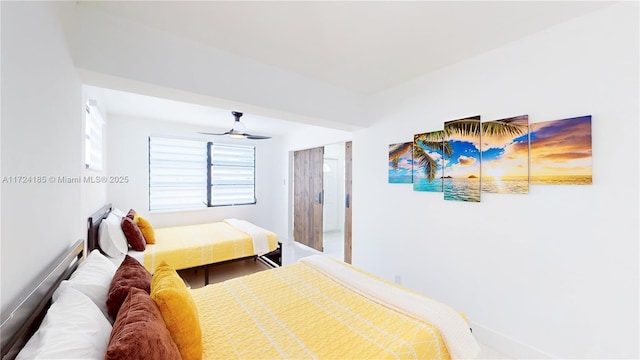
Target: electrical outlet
(397,279)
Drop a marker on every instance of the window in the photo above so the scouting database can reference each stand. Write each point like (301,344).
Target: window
(177,174)
(190,174)
(93,137)
(231,175)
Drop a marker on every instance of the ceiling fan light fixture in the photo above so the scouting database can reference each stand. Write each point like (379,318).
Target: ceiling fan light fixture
(239,130)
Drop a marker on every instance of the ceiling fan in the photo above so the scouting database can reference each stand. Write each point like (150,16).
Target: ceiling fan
(238,130)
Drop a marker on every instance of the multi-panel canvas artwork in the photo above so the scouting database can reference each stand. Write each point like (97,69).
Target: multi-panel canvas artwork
(428,161)
(400,163)
(462,164)
(499,156)
(505,156)
(561,152)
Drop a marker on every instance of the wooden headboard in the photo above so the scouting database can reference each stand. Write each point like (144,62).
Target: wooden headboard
(93,227)
(24,316)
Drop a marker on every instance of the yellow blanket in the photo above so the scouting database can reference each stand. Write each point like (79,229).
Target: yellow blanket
(195,245)
(297,312)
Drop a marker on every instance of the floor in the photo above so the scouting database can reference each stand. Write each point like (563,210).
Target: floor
(291,253)
(219,273)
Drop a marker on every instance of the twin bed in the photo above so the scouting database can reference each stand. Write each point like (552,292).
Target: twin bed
(198,246)
(316,308)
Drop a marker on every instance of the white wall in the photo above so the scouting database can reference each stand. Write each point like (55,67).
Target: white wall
(41,136)
(128,153)
(553,273)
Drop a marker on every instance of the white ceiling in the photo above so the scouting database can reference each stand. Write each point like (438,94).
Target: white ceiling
(360,46)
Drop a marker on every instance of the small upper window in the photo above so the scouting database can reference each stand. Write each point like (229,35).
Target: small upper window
(93,137)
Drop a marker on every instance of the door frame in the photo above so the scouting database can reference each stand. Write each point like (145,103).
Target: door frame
(347,226)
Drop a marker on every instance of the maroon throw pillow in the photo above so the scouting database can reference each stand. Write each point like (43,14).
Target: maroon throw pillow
(130,274)
(131,214)
(133,234)
(139,332)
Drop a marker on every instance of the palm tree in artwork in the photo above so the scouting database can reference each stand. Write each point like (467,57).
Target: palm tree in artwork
(436,140)
(396,151)
(433,141)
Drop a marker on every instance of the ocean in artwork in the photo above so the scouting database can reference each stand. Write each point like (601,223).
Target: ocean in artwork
(562,180)
(506,185)
(462,189)
(400,179)
(423,184)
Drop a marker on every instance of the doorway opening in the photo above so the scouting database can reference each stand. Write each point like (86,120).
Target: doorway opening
(333,207)
(322,199)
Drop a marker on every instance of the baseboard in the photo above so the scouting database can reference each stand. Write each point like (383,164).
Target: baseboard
(507,345)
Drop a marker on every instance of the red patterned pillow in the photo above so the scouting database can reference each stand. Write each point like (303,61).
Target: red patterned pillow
(130,274)
(133,234)
(139,331)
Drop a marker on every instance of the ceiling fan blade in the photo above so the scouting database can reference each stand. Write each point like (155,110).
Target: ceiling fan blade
(256,137)
(208,133)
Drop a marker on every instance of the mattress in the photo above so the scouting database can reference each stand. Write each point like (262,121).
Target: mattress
(196,245)
(299,311)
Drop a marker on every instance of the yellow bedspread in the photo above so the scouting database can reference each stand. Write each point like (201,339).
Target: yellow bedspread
(195,245)
(297,312)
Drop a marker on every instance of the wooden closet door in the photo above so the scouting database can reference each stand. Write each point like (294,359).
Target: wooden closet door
(308,197)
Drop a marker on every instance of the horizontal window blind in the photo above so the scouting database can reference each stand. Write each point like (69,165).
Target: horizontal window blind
(231,174)
(177,174)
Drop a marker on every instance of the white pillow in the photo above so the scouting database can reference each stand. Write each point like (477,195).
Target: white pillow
(112,239)
(92,278)
(73,328)
(117,212)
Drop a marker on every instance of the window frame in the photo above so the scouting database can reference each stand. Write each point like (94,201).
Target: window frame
(210,165)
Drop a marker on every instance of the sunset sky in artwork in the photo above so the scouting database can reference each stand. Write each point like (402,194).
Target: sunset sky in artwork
(405,162)
(504,157)
(465,160)
(561,147)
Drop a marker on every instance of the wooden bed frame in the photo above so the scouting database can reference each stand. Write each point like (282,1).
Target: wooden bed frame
(27,313)
(272,259)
